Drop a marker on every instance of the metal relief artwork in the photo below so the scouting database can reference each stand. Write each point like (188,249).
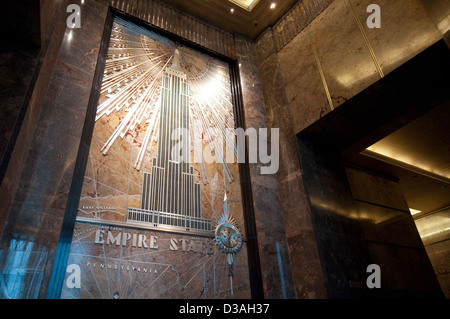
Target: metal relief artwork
(160,215)
(228,238)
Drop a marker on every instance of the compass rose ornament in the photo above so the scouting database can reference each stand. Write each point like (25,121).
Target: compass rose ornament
(228,237)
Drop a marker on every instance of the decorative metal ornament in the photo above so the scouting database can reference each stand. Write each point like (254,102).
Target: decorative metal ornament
(227,235)
(228,238)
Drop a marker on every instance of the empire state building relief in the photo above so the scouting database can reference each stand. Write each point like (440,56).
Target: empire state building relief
(161,212)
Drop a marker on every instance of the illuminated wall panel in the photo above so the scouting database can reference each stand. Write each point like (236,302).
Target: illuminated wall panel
(160,214)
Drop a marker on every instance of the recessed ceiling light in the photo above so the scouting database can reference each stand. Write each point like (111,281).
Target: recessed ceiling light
(246,4)
(231,10)
(273,5)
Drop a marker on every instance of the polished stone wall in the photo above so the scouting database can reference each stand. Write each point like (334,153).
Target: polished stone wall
(32,108)
(434,231)
(17,67)
(296,19)
(266,200)
(320,55)
(361,218)
(180,23)
(390,233)
(41,169)
(39,180)
(305,263)
(343,253)
(19,56)
(439,12)
(339,56)
(294,75)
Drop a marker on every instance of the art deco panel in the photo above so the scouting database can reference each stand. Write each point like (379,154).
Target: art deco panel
(160,215)
(178,22)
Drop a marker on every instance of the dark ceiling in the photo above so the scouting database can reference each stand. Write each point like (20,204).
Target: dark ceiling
(250,24)
(20,23)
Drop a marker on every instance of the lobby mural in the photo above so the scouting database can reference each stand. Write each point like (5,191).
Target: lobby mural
(160,215)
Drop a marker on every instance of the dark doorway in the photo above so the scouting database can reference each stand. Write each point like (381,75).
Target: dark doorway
(360,205)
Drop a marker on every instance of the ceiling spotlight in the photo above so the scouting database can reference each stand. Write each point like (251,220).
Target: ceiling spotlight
(231,10)
(273,5)
(414,211)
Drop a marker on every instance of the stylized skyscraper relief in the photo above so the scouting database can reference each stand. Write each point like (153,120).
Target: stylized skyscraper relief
(170,197)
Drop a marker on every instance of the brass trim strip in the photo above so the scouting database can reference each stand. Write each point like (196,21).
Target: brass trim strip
(366,39)
(319,65)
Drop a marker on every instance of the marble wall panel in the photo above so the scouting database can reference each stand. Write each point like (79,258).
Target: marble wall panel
(352,58)
(36,95)
(352,234)
(434,227)
(177,22)
(439,254)
(267,206)
(48,10)
(391,234)
(296,19)
(23,56)
(351,55)
(439,12)
(304,86)
(401,36)
(343,53)
(278,117)
(374,189)
(404,267)
(298,225)
(265,46)
(54,133)
(339,235)
(435,232)
(16,67)
(387,225)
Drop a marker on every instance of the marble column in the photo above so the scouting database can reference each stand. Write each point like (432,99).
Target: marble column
(274,254)
(304,256)
(42,167)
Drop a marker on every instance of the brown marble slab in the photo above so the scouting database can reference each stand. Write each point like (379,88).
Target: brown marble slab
(347,64)
(267,207)
(305,90)
(401,36)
